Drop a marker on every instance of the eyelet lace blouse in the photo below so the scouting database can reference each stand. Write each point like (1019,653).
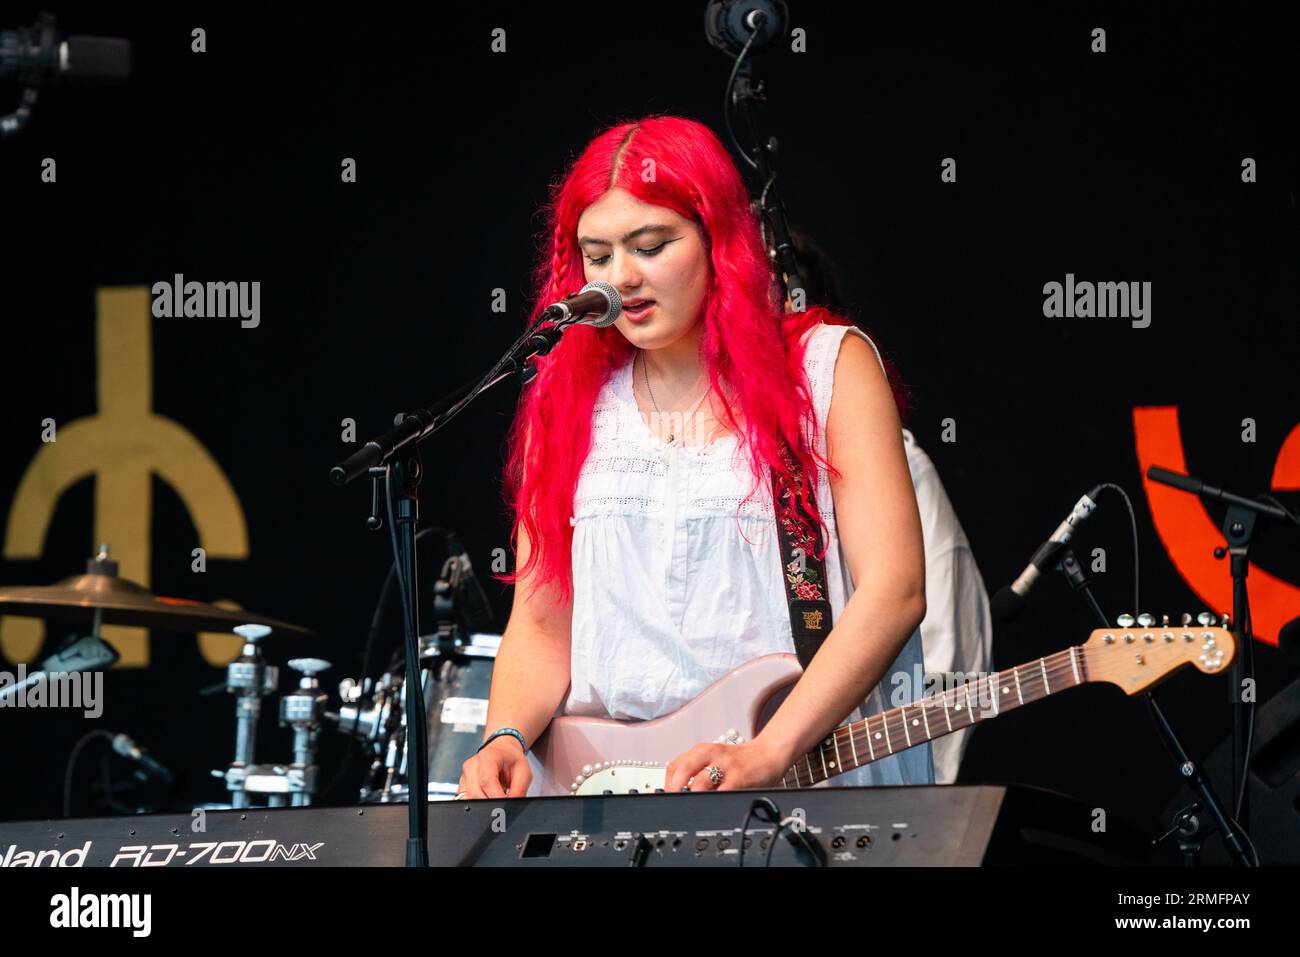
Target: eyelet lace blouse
(676,582)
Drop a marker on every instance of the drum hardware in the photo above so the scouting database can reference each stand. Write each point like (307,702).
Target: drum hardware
(394,787)
(456,676)
(302,710)
(459,602)
(100,597)
(251,679)
(369,712)
(367,708)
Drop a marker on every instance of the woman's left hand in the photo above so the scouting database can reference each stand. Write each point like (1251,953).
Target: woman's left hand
(753,764)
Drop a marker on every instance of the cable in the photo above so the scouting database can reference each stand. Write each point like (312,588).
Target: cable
(767,810)
(1272,500)
(769,239)
(1246,837)
(767,805)
(72,764)
(726,103)
(1132,520)
(1248,650)
(785,825)
(377,620)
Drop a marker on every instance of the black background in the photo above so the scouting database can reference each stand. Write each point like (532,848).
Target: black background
(224,166)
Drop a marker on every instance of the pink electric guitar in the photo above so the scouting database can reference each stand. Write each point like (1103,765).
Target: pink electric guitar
(598,755)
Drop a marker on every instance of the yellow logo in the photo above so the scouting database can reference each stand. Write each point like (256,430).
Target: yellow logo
(123,446)
(812,620)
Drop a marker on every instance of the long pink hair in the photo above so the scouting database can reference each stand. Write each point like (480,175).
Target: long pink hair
(750,344)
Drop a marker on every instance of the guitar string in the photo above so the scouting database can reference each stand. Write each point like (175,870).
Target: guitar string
(892,725)
(1057,664)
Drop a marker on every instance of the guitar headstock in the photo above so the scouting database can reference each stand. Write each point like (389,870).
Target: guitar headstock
(1139,652)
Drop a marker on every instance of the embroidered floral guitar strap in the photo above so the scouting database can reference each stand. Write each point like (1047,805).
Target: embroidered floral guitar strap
(804,573)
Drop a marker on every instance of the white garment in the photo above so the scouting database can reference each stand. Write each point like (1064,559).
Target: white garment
(672,589)
(956,634)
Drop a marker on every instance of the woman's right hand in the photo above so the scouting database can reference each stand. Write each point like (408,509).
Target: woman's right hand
(499,770)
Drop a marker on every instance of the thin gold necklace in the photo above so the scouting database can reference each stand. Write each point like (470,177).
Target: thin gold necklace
(645,369)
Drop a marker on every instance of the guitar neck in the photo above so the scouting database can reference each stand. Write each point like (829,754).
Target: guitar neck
(853,745)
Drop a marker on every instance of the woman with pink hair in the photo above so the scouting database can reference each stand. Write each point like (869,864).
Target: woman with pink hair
(638,475)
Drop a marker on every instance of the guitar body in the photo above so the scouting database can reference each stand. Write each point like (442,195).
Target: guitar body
(622,756)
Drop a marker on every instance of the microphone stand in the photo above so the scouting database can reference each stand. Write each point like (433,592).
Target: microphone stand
(746,93)
(395,457)
(1190,828)
(1238,529)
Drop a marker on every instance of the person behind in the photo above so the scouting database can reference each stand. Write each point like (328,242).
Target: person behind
(638,473)
(957,632)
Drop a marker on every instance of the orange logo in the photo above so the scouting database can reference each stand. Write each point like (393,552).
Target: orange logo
(1190,536)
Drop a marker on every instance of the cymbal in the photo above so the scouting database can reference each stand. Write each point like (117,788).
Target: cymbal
(124,602)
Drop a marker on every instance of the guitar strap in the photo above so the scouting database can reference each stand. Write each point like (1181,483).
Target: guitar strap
(803,572)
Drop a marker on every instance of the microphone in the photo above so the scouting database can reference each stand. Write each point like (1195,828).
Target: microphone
(1188,483)
(1008,601)
(37,57)
(125,745)
(595,304)
(729,25)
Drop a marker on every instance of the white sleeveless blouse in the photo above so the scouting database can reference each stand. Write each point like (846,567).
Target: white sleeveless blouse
(673,589)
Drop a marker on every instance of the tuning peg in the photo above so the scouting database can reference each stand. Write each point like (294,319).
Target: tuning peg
(1125,620)
(1226,621)
(1186,619)
(1164,621)
(1145,620)
(1205,619)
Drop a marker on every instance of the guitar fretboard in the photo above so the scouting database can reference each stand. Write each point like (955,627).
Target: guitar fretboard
(952,709)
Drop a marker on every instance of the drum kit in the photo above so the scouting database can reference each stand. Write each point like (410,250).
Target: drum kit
(455,675)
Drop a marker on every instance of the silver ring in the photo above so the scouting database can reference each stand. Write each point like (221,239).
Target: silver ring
(715,774)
